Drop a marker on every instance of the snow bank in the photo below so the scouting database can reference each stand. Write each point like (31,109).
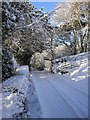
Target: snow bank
(34,107)
(14,94)
(23,70)
(76,66)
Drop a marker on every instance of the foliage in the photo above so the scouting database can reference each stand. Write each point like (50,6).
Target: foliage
(7,64)
(72,18)
(39,66)
(29,33)
(12,17)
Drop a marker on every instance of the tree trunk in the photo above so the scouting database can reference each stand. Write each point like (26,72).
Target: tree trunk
(75,43)
(84,42)
(82,48)
(52,55)
(88,40)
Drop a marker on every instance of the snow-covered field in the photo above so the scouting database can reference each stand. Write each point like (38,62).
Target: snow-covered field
(13,94)
(64,95)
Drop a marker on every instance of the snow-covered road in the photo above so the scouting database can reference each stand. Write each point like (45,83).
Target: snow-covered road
(60,97)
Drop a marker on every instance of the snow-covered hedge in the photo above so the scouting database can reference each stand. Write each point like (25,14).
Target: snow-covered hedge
(7,64)
(14,94)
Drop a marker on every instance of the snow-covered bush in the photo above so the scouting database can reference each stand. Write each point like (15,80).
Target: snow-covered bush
(14,94)
(61,50)
(39,66)
(37,61)
(7,64)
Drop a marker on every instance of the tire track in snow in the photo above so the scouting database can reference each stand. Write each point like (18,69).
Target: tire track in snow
(72,99)
(62,103)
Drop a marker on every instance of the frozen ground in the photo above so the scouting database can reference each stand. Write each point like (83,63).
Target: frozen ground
(63,96)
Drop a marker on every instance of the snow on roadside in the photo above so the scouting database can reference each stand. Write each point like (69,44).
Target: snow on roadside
(23,70)
(76,66)
(34,107)
(14,94)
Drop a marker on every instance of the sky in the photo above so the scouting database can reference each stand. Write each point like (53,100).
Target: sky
(48,6)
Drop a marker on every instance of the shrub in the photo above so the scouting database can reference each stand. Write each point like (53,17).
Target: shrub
(7,64)
(39,66)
